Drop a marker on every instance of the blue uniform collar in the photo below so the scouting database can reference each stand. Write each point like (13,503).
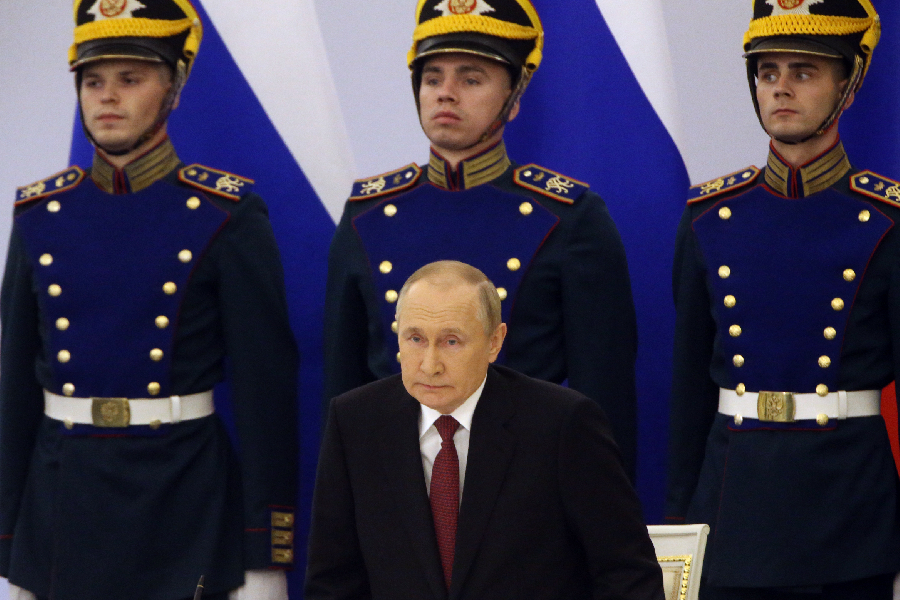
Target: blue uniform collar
(140,173)
(818,174)
(473,171)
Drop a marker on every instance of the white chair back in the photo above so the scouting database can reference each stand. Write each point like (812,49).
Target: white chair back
(679,550)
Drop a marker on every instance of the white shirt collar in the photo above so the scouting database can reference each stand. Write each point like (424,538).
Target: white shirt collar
(463,414)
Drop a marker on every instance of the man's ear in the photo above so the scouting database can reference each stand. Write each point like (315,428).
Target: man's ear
(515,110)
(497,341)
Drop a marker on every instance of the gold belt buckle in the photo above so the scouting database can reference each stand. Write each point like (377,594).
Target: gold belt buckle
(110,412)
(778,407)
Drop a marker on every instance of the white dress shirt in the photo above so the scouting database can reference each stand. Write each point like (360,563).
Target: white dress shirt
(430,439)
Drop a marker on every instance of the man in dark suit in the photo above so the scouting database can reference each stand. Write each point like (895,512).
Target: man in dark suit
(527,494)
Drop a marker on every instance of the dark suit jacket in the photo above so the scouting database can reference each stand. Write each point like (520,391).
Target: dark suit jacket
(547,510)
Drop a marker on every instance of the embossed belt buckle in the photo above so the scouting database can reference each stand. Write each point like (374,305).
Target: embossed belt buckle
(778,407)
(110,412)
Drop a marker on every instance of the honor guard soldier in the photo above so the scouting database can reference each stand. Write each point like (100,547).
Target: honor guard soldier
(545,240)
(787,290)
(128,290)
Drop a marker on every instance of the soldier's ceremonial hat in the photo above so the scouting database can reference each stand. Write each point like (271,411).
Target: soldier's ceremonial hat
(165,31)
(506,31)
(845,29)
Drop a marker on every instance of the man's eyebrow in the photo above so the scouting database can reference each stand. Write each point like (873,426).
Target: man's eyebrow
(470,69)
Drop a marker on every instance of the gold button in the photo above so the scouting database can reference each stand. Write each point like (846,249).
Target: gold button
(54,290)
(738,360)
(864,216)
(53,206)
(156,355)
(740,389)
(725,213)
(170,288)
(730,301)
(734,330)
(155,424)
(822,390)
(62,323)
(822,419)
(864,180)
(724,272)
(394,327)
(526,208)
(837,304)
(830,333)
(153,388)
(849,274)
(513,264)
(385,267)
(738,419)
(68,389)
(193,203)
(162,321)
(185,256)
(398,357)
(68,424)
(390,210)
(391,296)
(63,356)
(502,293)
(46,260)
(824,362)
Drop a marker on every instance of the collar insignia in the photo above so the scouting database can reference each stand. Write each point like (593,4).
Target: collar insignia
(723,184)
(220,183)
(386,183)
(549,183)
(463,7)
(791,7)
(114,9)
(875,186)
(54,184)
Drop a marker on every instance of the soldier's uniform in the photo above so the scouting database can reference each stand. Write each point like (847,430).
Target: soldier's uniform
(787,289)
(128,294)
(545,240)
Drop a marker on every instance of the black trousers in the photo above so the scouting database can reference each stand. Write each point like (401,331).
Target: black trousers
(879,587)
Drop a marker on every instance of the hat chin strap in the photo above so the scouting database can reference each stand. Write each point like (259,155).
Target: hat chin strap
(161,118)
(830,120)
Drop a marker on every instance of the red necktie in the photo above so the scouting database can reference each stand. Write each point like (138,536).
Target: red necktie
(445,493)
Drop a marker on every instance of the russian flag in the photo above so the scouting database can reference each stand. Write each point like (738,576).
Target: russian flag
(290,93)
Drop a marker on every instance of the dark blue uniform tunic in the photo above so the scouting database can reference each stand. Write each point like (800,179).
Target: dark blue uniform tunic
(787,280)
(544,240)
(148,282)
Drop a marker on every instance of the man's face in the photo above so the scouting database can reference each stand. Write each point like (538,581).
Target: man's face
(444,350)
(460,97)
(796,93)
(121,99)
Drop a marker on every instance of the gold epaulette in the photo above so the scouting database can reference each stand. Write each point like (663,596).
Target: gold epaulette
(726,183)
(549,183)
(386,183)
(221,183)
(876,186)
(62,181)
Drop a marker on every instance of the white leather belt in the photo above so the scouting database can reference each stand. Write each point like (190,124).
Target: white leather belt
(122,412)
(786,407)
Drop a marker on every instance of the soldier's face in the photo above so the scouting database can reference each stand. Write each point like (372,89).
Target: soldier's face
(797,92)
(444,349)
(121,99)
(460,97)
